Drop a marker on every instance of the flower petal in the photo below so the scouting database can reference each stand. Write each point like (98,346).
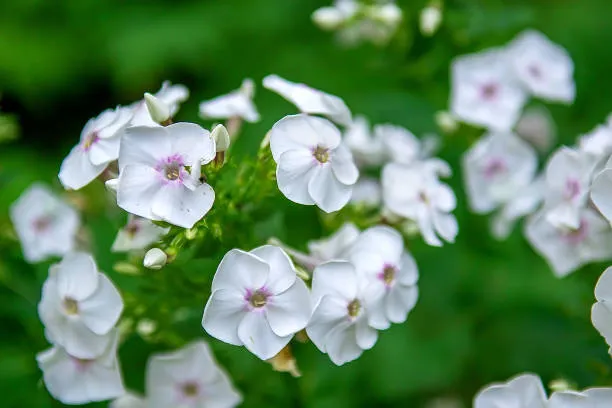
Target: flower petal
(289,311)
(257,336)
(399,301)
(336,278)
(144,145)
(341,343)
(77,276)
(192,142)
(366,336)
(100,311)
(137,187)
(223,313)
(343,166)
(181,206)
(329,313)
(77,170)
(282,272)
(240,271)
(327,192)
(295,170)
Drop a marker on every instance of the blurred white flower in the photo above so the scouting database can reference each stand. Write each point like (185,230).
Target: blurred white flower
(484,91)
(524,202)
(129,400)
(331,18)
(99,145)
(74,381)
(154,180)
(238,103)
(601,313)
(524,391)
(390,273)
(339,325)
(414,192)
(189,377)
(367,148)
(430,19)
(543,67)
(496,168)
(536,126)
(137,234)
(257,301)
(598,142)
(79,306)
(313,166)
(367,192)
(46,225)
(310,100)
(336,246)
(400,145)
(171,95)
(567,249)
(568,179)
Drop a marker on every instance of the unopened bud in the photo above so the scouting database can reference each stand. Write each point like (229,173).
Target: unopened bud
(146,327)
(327,18)
(446,122)
(221,138)
(155,258)
(126,268)
(430,19)
(559,385)
(111,185)
(389,13)
(158,109)
(191,233)
(285,362)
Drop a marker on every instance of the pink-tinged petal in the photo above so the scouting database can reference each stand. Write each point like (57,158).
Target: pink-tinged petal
(77,170)
(294,171)
(337,279)
(329,313)
(192,142)
(223,313)
(240,271)
(344,166)
(282,272)
(144,145)
(399,301)
(328,193)
(341,343)
(104,151)
(289,311)
(181,206)
(136,190)
(255,333)
(366,336)
(77,276)
(100,311)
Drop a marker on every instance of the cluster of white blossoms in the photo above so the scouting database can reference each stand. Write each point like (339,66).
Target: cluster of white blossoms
(361,283)
(357,21)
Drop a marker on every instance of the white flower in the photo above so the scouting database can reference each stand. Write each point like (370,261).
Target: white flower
(314,167)
(137,234)
(568,178)
(339,325)
(367,192)
(414,192)
(154,181)
(171,95)
(45,225)
(336,246)
(484,92)
(524,202)
(367,148)
(189,377)
(257,301)
(400,145)
(601,191)
(99,145)
(238,103)
(390,272)
(310,100)
(566,249)
(74,381)
(79,306)
(536,126)
(129,400)
(601,313)
(496,168)
(598,142)
(524,391)
(590,398)
(155,258)
(544,67)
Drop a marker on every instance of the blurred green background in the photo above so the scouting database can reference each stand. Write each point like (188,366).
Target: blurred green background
(487,310)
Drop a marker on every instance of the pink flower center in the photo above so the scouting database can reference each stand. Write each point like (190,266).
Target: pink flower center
(42,224)
(258,298)
(494,167)
(489,91)
(575,237)
(572,189)
(89,141)
(82,364)
(172,168)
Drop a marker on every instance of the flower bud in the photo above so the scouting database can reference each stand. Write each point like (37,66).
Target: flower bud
(221,138)
(430,19)
(284,362)
(559,385)
(266,141)
(111,185)
(155,258)
(146,327)
(446,122)
(389,13)
(158,109)
(327,18)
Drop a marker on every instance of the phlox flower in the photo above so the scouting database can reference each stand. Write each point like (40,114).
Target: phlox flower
(313,166)
(73,380)
(484,90)
(129,400)
(400,145)
(524,391)
(310,100)
(189,378)
(367,147)
(170,95)
(46,225)
(257,301)
(99,145)
(524,202)
(598,142)
(566,249)
(159,175)
(336,246)
(238,103)
(79,306)
(137,234)
(496,168)
(601,190)
(339,324)
(601,312)
(537,127)
(543,67)
(390,273)
(367,192)
(589,398)
(415,192)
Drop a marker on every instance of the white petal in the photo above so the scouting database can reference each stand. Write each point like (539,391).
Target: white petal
(341,343)
(144,145)
(223,313)
(366,336)
(79,340)
(603,289)
(335,247)
(302,132)
(104,151)
(192,142)
(77,276)
(230,105)
(385,241)
(77,170)
(335,278)
(601,193)
(399,301)
(240,271)
(446,226)
(282,272)
(343,166)
(289,311)
(181,206)
(329,313)
(100,311)
(137,187)
(327,191)
(255,333)
(294,172)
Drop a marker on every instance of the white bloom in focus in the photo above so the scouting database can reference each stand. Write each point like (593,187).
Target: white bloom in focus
(99,145)
(567,249)
(313,166)
(154,181)
(45,225)
(336,246)
(75,381)
(400,145)
(137,234)
(536,126)
(129,400)
(171,95)
(155,258)
(390,272)
(79,306)
(590,398)
(496,168)
(601,313)
(367,192)
(238,103)
(524,203)
(484,91)
(310,100)
(189,378)
(414,192)
(524,391)
(339,325)
(598,142)
(568,179)
(544,67)
(257,301)
(367,148)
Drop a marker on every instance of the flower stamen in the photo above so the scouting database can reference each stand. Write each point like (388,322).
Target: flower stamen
(71,306)
(354,308)
(258,299)
(321,154)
